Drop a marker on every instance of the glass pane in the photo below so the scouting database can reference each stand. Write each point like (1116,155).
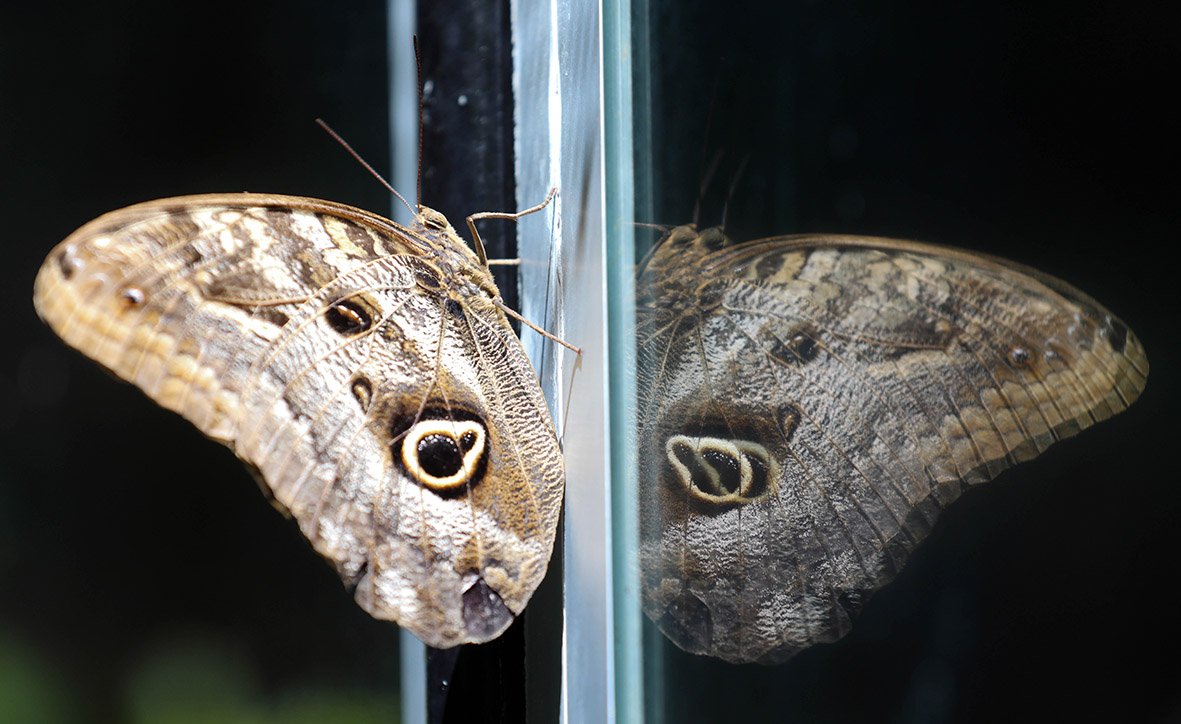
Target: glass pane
(964,126)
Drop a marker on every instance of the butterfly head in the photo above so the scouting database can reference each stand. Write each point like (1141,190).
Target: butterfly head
(451,254)
(681,249)
(436,229)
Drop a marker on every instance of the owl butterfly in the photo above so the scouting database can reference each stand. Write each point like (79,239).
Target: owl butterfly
(809,405)
(362,368)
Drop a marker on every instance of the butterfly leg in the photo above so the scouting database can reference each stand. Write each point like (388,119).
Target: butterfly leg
(510,215)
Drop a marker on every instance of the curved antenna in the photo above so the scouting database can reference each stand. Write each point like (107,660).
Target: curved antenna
(707,167)
(356,156)
(418,70)
(707,176)
(733,185)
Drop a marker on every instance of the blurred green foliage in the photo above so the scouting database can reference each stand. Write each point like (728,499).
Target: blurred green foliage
(29,693)
(183,680)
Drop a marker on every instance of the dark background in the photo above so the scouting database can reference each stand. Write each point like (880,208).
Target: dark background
(1042,132)
(142,574)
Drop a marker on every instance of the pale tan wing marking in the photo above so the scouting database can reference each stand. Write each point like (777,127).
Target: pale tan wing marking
(151,247)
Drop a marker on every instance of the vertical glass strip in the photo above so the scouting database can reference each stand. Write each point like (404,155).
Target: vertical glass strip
(620,194)
(559,144)
(401,22)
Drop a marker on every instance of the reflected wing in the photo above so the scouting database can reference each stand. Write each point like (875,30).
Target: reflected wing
(810,404)
(387,407)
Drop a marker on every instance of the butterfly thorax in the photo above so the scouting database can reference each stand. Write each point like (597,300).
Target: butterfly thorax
(453,257)
(671,279)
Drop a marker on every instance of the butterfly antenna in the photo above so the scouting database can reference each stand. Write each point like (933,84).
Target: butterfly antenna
(706,169)
(733,185)
(706,176)
(344,144)
(418,71)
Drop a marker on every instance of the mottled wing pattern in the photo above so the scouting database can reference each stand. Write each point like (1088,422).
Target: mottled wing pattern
(809,405)
(361,367)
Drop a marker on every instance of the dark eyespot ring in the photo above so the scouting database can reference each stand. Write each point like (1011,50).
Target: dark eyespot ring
(348,318)
(362,390)
(426,277)
(804,346)
(446,455)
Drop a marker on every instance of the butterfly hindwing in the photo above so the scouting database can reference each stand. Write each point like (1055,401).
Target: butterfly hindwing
(361,367)
(809,405)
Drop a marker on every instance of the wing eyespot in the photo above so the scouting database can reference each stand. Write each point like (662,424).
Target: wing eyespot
(427,278)
(348,318)
(445,455)
(719,472)
(801,348)
(362,390)
(455,309)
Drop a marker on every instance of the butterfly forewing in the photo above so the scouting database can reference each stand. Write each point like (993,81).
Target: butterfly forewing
(360,366)
(809,405)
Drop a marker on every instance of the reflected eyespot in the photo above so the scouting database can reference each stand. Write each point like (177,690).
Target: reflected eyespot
(720,471)
(808,405)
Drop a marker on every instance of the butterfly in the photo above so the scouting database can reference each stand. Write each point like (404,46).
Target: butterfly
(364,370)
(809,405)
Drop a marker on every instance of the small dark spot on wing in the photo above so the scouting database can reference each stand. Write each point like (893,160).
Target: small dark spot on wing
(454,308)
(68,262)
(1020,356)
(348,318)
(484,611)
(1116,333)
(789,420)
(427,278)
(362,390)
(688,622)
(133,296)
(800,348)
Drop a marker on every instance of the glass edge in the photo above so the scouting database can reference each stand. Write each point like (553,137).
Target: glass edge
(401,24)
(620,195)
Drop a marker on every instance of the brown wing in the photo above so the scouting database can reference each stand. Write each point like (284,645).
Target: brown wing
(410,440)
(810,404)
(181,296)
(387,405)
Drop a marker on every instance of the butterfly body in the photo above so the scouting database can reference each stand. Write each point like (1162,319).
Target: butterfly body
(362,368)
(809,405)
